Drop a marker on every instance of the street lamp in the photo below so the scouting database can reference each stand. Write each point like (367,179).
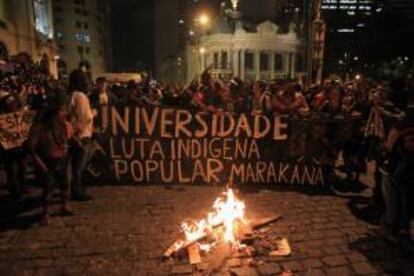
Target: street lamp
(203,19)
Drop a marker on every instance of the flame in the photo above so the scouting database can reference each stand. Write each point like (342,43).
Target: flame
(227,211)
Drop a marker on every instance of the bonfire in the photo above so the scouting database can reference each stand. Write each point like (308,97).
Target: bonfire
(228,213)
(225,228)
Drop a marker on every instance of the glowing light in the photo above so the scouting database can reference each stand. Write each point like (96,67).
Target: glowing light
(235,4)
(346,30)
(358,77)
(202,50)
(204,19)
(228,210)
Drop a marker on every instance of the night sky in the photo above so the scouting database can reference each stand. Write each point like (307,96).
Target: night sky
(133,30)
(132,34)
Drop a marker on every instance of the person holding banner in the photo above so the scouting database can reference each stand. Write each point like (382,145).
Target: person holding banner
(48,143)
(82,120)
(223,102)
(290,101)
(260,102)
(12,152)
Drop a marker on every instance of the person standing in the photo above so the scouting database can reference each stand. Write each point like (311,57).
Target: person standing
(395,223)
(260,102)
(101,95)
(13,158)
(82,121)
(48,143)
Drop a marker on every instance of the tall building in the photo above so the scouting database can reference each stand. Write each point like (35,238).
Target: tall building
(346,22)
(82,31)
(348,15)
(26,27)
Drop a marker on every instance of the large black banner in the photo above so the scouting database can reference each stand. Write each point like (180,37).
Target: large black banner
(173,146)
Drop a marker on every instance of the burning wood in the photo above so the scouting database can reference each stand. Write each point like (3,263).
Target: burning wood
(260,223)
(194,254)
(283,248)
(227,211)
(227,220)
(181,244)
(222,252)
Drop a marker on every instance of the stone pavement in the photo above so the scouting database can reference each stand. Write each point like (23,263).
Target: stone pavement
(124,231)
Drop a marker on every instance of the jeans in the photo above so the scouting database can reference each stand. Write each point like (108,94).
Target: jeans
(79,160)
(394,189)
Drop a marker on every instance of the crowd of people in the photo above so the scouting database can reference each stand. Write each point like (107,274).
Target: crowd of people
(62,132)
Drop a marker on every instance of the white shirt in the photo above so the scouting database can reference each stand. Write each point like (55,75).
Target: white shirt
(81,111)
(103,99)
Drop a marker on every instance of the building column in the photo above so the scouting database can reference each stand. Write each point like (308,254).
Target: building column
(272,64)
(293,65)
(219,58)
(286,64)
(235,63)
(207,59)
(242,64)
(257,64)
(202,63)
(229,56)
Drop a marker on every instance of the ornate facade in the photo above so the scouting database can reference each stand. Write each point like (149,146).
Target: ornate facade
(234,48)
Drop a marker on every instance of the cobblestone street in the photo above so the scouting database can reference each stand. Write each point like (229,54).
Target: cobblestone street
(125,230)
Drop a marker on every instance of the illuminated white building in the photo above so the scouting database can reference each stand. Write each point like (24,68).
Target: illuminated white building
(26,27)
(236,48)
